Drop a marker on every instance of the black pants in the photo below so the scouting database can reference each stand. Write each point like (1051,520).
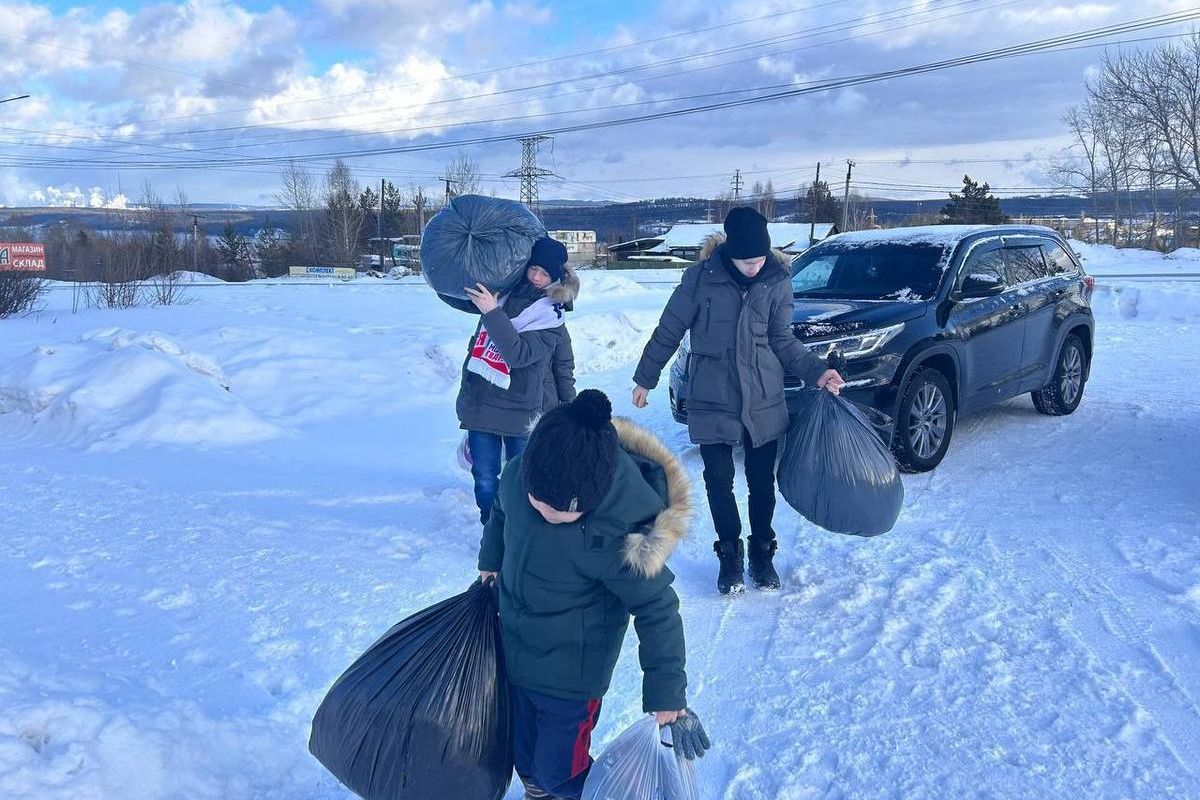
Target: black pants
(760,477)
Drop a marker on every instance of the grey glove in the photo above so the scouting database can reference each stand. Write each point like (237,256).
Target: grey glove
(688,736)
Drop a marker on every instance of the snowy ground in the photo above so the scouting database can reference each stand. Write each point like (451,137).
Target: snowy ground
(209,510)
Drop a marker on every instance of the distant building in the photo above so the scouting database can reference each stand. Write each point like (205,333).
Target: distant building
(581,245)
(685,240)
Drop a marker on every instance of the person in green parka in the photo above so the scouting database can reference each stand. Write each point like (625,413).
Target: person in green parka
(580,533)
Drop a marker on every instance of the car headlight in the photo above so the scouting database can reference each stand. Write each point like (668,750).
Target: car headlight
(857,346)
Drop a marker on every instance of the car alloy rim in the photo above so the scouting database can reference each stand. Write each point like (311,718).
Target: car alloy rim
(927,421)
(1072,375)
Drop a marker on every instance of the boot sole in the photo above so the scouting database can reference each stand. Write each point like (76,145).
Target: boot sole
(739,588)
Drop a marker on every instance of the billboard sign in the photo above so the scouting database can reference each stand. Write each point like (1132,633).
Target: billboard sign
(22,257)
(342,273)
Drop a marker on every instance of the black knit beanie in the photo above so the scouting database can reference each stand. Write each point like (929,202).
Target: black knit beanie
(550,255)
(571,457)
(746,233)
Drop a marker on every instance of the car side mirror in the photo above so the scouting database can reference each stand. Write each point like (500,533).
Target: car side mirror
(977,286)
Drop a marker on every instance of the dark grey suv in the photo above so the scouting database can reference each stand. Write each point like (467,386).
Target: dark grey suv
(938,321)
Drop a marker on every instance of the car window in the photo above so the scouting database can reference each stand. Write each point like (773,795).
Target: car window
(870,271)
(1025,264)
(986,264)
(1058,262)
(814,274)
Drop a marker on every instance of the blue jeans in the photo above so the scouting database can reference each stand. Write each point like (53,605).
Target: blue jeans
(485,465)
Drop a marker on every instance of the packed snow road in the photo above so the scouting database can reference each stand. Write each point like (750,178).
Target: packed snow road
(209,510)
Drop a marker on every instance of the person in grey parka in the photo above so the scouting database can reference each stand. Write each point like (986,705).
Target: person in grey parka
(737,304)
(509,362)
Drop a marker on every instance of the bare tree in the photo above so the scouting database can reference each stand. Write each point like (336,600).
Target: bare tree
(1078,169)
(298,194)
(420,203)
(343,215)
(463,172)
(766,202)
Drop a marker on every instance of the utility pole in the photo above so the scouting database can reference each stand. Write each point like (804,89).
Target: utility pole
(196,241)
(812,212)
(10,99)
(449,190)
(737,184)
(529,172)
(846,198)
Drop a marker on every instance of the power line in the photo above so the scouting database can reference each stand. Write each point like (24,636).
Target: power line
(1039,46)
(459,76)
(872,19)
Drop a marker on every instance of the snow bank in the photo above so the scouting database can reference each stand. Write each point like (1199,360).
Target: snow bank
(113,388)
(1104,258)
(1157,302)
(604,342)
(187,276)
(608,283)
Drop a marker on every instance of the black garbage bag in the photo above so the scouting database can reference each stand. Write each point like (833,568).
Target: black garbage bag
(836,471)
(424,712)
(474,240)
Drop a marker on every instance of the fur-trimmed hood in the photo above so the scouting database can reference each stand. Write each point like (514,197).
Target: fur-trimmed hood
(646,552)
(565,290)
(715,240)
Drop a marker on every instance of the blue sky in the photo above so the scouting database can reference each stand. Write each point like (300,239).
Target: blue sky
(223,91)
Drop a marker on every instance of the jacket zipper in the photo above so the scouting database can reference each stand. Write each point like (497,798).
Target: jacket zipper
(707,313)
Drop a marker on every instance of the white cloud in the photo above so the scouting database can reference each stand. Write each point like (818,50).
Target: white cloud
(74,197)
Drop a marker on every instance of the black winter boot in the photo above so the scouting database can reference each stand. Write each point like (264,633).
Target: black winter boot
(762,571)
(732,556)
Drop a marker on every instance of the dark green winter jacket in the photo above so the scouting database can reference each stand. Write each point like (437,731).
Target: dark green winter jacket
(483,406)
(741,345)
(567,591)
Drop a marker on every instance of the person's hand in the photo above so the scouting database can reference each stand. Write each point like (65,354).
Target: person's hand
(666,717)
(831,381)
(640,400)
(483,299)
(484,577)
(687,734)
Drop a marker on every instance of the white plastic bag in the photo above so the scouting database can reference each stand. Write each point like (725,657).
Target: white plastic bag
(641,765)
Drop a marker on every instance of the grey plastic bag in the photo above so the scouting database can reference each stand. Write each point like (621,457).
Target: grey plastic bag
(424,712)
(836,471)
(474,240)
(639,765)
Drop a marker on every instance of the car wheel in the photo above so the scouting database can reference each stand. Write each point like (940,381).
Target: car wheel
(925,422)
(1065,391)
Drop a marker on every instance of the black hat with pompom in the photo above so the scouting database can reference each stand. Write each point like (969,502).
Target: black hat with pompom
(571,457)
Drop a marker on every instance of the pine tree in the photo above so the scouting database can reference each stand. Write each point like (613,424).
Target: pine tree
(274,251)
(819,204)
(234,252)
(975,206)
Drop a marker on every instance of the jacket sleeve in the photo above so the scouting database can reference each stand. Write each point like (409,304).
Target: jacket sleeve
(655,610)
(795,357)
(491,546)
(677,317)
(518,351)
(563,368)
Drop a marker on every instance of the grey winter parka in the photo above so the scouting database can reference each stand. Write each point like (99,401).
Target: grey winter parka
(483,406)
(741,345)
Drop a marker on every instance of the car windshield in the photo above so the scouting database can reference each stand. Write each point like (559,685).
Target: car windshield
(856,271)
